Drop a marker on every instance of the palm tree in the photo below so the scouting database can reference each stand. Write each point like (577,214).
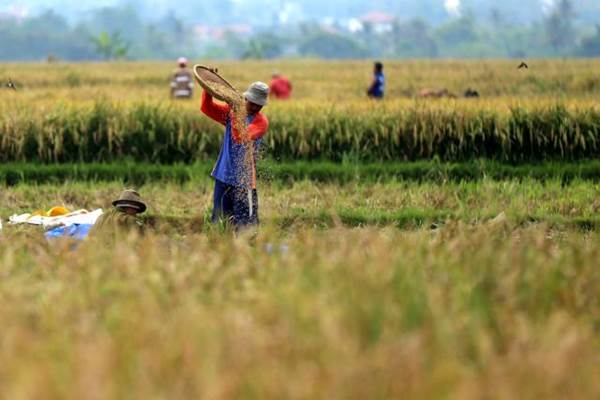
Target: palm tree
(111,46)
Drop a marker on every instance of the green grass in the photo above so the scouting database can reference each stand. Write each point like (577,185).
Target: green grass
(288,206)
(318,171)
(423,171)
(130,173)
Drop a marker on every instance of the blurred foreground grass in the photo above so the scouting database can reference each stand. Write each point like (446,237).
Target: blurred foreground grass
(469,312)
(476,308)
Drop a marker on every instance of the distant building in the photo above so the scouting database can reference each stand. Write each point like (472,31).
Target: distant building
(206,33)
(379,21)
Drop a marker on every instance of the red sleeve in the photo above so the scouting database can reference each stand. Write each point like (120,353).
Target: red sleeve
(256,130)
(217,112)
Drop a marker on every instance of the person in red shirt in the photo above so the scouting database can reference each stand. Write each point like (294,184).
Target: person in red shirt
(235,197)
(280,86)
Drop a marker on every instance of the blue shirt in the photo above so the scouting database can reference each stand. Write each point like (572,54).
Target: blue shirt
(230,168)
(379,86)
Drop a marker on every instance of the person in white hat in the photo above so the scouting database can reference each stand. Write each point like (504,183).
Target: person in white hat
(235,197)
(182,83)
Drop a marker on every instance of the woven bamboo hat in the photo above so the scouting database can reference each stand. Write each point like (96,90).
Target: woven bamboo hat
(130,198)
(216,85)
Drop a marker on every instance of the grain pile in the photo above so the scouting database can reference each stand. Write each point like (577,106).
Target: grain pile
(226,93)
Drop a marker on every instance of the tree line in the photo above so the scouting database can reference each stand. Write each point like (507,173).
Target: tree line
(120,32)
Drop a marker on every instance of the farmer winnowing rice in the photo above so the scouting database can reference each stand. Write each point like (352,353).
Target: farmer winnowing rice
(235,196)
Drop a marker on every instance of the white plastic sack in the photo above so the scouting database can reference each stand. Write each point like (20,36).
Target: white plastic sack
(81,218)
(22,219)
(76,217)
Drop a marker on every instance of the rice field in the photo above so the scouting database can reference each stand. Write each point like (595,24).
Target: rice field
(306,204)
(418,249)
(123,111)
(315,81)
(378,290)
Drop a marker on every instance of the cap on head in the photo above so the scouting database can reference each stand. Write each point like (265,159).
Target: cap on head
(257,93)
(130,198)
(182,61)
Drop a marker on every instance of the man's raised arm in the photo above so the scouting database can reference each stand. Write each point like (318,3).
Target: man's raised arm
(216,112)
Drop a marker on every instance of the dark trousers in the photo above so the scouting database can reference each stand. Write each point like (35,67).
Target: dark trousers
(231,203)
(373,95)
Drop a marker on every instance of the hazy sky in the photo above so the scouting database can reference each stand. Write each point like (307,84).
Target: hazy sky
(73,7)
(211,11)
(452,6)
